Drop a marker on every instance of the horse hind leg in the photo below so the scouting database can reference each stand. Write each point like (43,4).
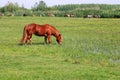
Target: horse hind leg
(26,41)
(28,38)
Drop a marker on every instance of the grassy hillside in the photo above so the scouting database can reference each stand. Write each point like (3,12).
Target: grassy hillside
(90,50)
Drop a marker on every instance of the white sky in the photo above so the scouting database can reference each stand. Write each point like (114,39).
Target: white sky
(30,3)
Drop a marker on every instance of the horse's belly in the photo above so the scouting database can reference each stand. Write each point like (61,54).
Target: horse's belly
(39,34)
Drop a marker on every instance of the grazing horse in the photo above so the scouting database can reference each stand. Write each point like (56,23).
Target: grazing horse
(40,30)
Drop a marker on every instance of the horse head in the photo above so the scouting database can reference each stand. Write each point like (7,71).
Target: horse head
(59,39)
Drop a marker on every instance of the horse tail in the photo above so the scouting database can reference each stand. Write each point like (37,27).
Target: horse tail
(24,35)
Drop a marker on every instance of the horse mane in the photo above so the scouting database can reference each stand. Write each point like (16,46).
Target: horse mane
(56,31)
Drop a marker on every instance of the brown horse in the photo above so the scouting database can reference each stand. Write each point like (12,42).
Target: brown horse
(40,30)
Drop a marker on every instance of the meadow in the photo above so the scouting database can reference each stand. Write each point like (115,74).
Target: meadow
(90,50)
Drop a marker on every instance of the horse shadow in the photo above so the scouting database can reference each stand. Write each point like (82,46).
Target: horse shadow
(36,44)
(31,44)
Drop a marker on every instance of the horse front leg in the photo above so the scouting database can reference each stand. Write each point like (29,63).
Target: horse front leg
(45,39)
(49,37)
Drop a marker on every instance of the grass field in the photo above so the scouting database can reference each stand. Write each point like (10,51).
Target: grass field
(90,50)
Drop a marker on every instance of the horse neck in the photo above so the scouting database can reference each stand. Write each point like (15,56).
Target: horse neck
(56,34)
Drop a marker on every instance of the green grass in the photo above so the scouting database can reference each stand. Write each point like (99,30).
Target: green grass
(90,50)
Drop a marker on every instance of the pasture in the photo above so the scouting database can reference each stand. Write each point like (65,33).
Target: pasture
(90,50)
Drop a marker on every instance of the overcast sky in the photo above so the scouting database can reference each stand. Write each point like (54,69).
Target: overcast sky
(30,3)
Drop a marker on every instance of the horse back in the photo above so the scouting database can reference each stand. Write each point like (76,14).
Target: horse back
(40,30)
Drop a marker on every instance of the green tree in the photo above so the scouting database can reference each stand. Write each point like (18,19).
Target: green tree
(10,7)
(41,6)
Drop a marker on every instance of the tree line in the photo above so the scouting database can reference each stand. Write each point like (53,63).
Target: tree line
(79,10)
